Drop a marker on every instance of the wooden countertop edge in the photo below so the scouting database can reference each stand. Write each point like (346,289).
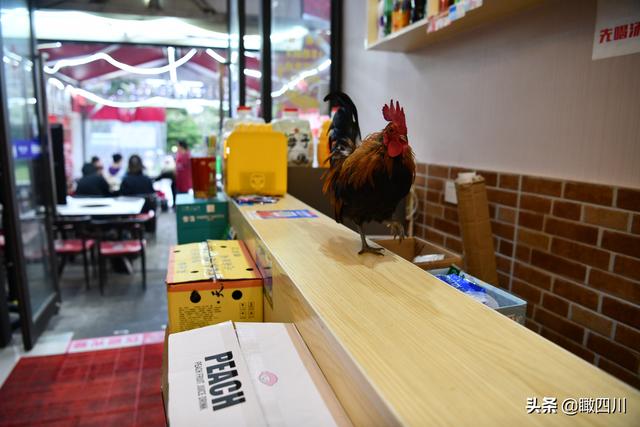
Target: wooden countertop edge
(347,352)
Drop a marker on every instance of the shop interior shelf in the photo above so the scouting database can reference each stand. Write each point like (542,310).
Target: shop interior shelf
(415,36)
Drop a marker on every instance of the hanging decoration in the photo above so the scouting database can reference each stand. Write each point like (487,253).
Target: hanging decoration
(121,65)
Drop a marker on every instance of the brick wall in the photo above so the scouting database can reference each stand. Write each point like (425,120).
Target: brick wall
(570,249)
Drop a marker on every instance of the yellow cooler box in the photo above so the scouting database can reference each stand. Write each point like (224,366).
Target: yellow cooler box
(255,161)
(212,282)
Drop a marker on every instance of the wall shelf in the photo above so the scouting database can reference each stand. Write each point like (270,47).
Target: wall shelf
(416,36)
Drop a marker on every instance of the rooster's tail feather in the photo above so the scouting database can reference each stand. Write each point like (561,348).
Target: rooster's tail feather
(343,100)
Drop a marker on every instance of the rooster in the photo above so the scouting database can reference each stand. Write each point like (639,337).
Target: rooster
(367,180)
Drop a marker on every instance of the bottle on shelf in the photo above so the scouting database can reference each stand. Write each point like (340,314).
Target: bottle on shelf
(381,33)
(401,14)
(388,16)
(417,10)
(395,19)
(405,15)
(433,8)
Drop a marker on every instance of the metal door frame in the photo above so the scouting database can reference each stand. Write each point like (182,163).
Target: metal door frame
(335,79)
(32,324)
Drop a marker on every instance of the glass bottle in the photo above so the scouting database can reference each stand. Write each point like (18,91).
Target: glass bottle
(381,18)
(405,13)
(417,10)
(388,16)
(396,18)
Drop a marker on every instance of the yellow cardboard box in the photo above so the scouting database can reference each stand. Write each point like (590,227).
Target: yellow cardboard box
(211,282)
(255,161)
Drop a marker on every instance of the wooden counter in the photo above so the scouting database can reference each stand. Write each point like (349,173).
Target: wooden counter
(400,347)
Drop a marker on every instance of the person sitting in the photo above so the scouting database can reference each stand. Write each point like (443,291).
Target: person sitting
(112,174)
(95,161)
(116,165)
(135,182)
(92,183)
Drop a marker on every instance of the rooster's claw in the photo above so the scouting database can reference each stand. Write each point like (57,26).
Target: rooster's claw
(397,229)
(369,249)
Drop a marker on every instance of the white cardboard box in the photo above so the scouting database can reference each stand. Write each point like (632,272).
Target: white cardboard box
(281,383)
(209,381)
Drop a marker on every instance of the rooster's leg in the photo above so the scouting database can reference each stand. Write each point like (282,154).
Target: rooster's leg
(365,247)
(397,229)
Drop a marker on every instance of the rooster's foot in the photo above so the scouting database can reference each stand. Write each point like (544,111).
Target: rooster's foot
(397,229)
(365,246)
(369,249)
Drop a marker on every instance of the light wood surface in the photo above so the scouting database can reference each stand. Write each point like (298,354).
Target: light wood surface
(415,36)
(399,347)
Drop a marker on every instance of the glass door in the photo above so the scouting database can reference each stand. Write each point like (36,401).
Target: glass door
(301,57)
(26,184)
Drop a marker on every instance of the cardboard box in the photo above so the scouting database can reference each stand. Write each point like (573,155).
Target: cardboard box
(201,219)
(280,382)
(475,225)
(289,383)
(211,282)
(164,380)
(209,382)
(412,247)
(508,304)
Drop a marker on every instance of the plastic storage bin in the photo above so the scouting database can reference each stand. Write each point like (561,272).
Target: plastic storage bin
(255,161)
(508,304)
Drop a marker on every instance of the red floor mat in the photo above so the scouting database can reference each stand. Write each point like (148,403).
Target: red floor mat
(118,387)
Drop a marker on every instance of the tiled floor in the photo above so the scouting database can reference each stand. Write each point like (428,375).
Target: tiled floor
(124,308)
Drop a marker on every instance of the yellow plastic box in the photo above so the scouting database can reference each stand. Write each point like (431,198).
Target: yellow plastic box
(255,161)
(212,282)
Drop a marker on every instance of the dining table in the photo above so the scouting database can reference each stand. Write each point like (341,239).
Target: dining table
(101,206)
(104,207)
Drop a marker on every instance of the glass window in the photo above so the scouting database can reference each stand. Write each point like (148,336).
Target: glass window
(253,78)
(300,55)
(234,52)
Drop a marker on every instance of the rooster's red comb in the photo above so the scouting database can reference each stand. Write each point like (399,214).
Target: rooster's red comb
(395,114)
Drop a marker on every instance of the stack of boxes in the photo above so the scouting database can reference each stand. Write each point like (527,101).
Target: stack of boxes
(249,374)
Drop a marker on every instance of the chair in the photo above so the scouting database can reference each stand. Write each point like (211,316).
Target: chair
(121,238)
(74,240)
(149,220)
(148,215)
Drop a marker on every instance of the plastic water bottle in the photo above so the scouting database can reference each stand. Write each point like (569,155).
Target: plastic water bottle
(299,138)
